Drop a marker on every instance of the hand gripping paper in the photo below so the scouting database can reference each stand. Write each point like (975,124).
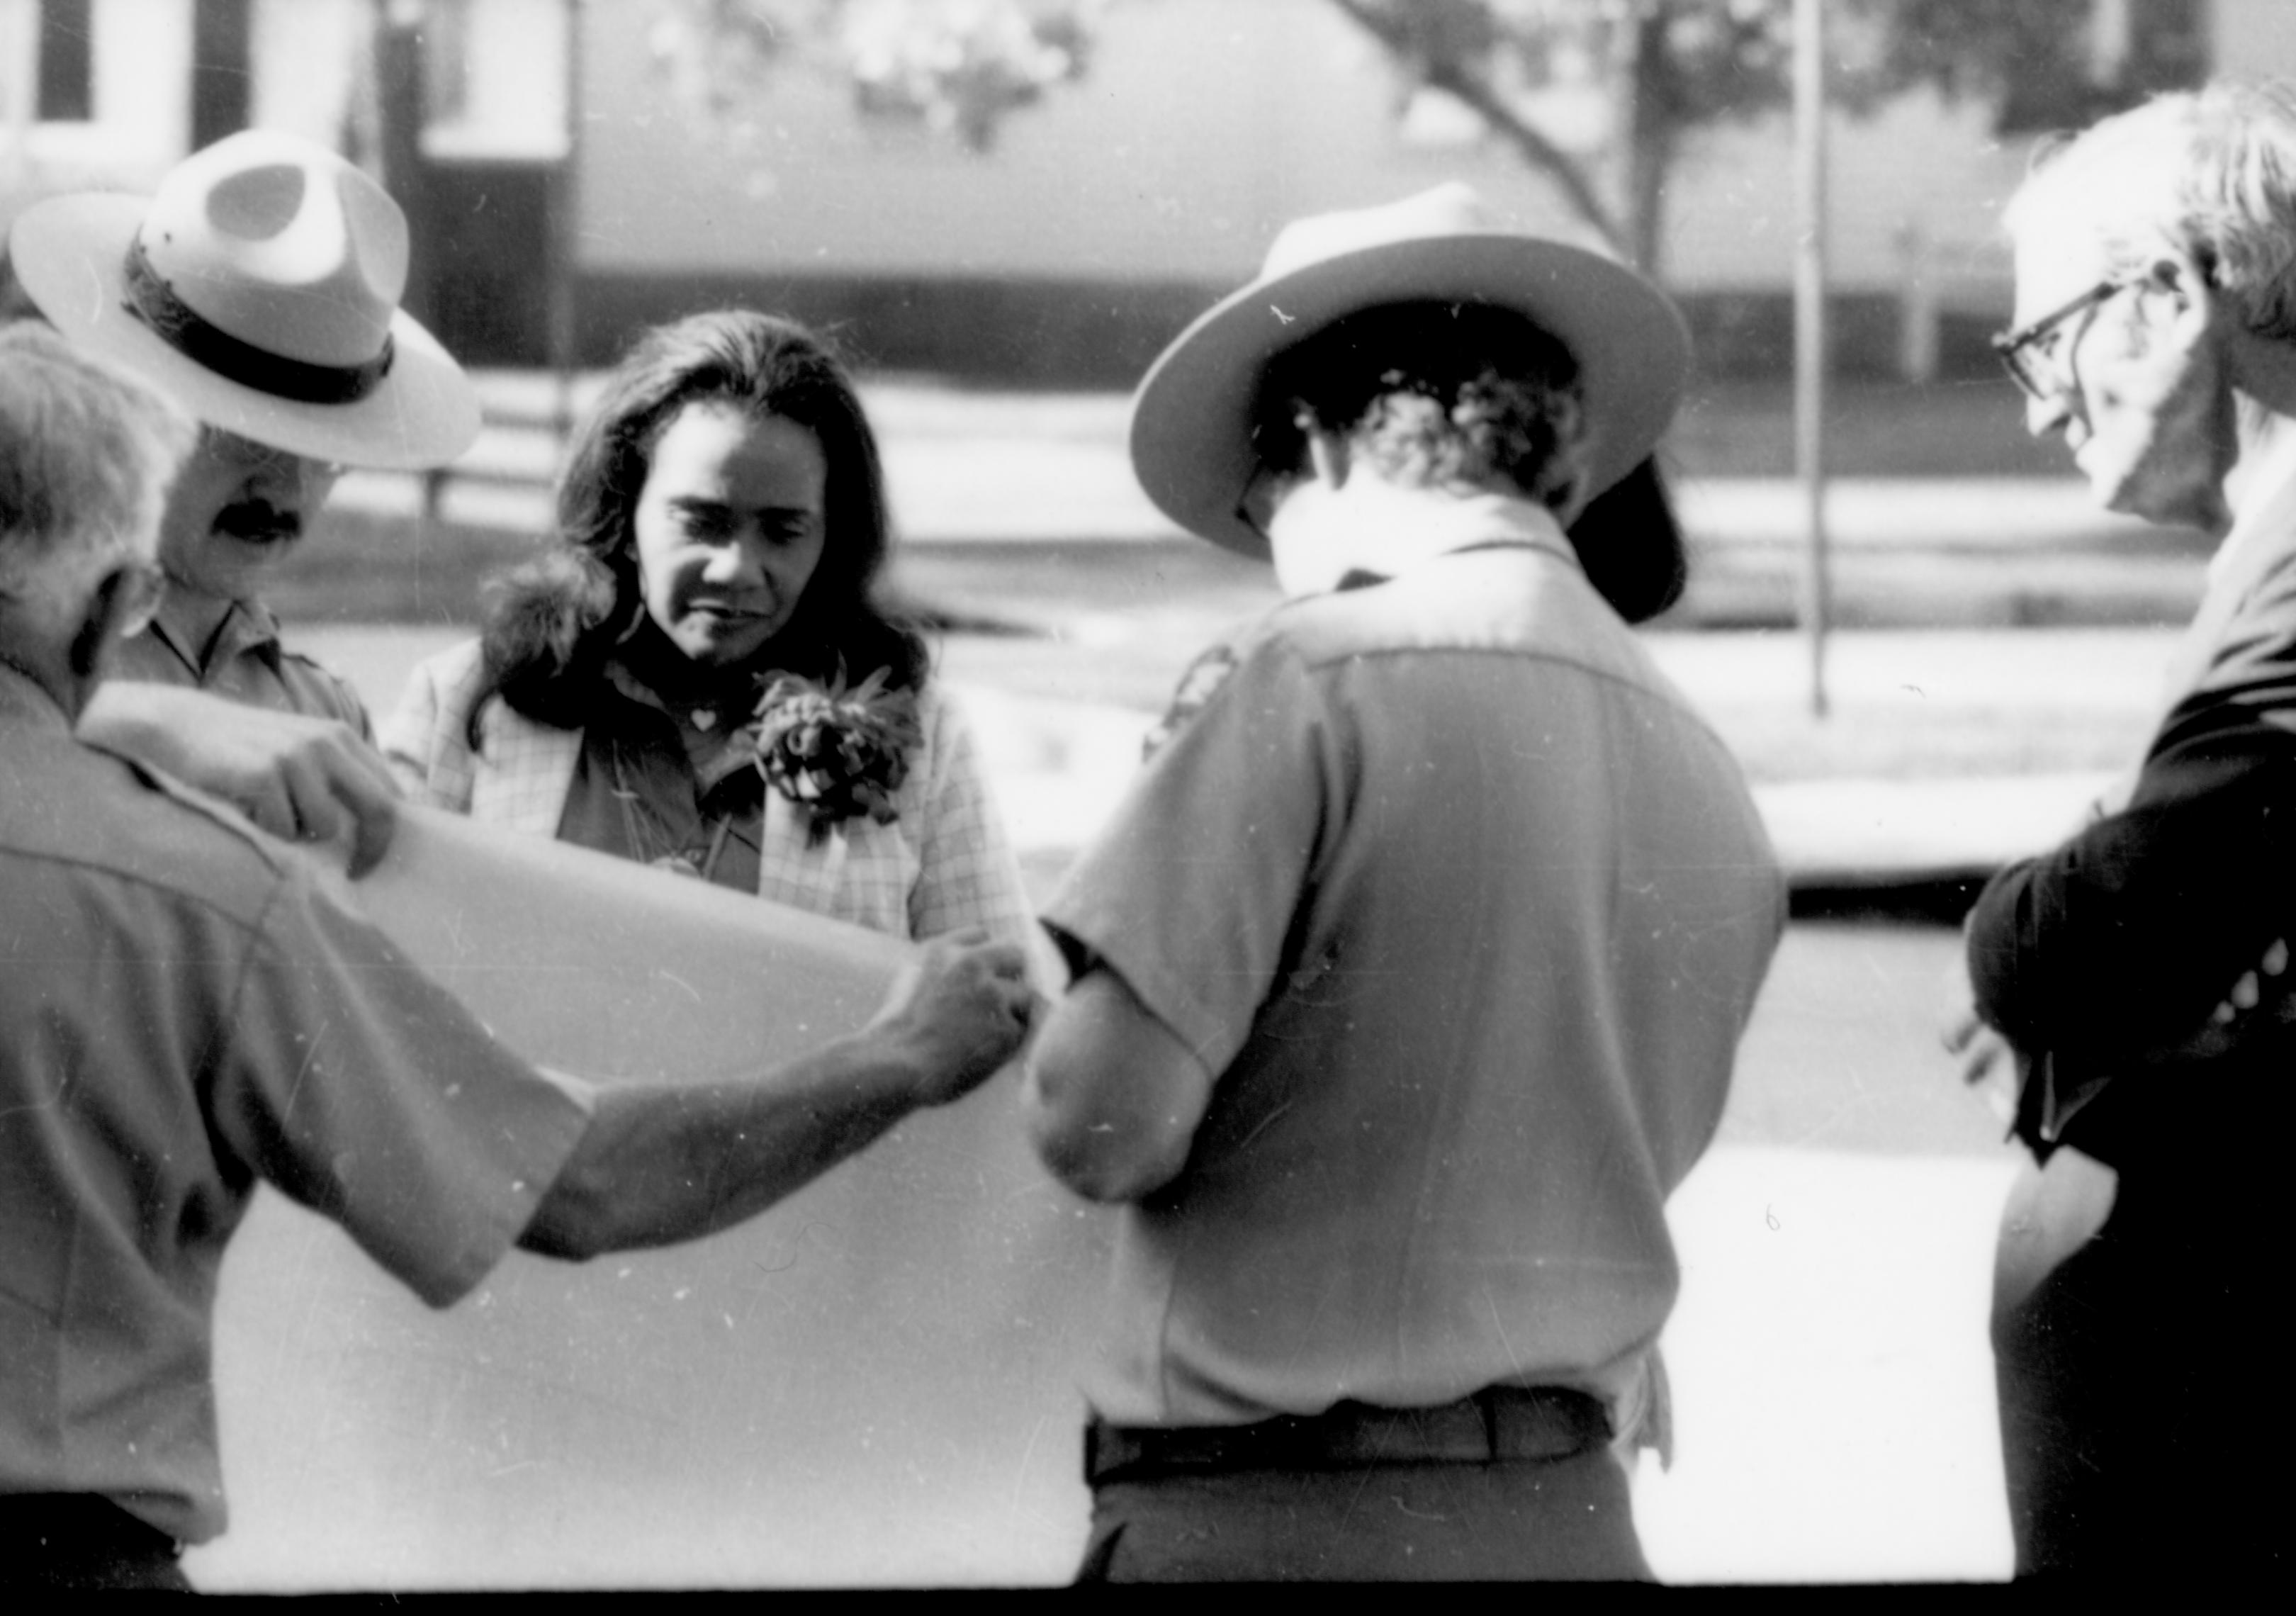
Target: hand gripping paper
(872,1382)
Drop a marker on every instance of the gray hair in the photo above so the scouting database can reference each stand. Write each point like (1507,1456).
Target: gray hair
(2211,172)
(87,453)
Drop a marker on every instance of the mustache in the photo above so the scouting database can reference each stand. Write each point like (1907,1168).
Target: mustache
(257,519)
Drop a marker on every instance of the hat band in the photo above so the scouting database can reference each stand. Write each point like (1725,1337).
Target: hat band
(176,322)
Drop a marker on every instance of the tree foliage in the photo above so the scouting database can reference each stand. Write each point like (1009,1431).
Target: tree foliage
(957,65)
(1678,68)
(1668,69)
(2036,62)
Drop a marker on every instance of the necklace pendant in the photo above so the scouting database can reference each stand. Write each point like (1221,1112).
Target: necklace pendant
(704,719)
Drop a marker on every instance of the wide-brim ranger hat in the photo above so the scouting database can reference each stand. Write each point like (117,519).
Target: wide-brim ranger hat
(259,287)
(1191,417)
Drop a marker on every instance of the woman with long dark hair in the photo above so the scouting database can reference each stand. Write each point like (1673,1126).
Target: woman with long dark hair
(696,674)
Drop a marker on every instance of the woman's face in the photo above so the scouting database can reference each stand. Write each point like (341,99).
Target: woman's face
(730,528)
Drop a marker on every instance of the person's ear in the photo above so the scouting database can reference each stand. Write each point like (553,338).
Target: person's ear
(2180,298)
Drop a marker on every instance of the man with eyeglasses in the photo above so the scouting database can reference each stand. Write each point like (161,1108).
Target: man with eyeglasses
(2137,971)
(258,288)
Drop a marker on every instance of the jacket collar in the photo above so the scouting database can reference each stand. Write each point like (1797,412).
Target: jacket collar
(1418,526)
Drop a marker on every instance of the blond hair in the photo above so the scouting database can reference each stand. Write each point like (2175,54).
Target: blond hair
(87,453)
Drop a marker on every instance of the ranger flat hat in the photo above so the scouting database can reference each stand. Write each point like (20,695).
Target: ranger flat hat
(1192,416)
(260,287)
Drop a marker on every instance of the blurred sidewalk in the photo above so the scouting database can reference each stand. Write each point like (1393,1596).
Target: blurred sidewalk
(1835,1244)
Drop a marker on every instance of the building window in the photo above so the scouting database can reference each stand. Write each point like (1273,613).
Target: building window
(495,80)
(446,61)
(2167,46)
(67,90)
(220,76)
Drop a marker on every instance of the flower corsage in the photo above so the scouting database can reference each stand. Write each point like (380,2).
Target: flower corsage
(836,753)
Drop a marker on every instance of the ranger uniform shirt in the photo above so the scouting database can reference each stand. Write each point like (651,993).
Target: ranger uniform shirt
(244,662)
(186,1007)
(1466,909)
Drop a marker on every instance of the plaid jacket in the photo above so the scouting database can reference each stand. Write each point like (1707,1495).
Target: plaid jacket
(943,864)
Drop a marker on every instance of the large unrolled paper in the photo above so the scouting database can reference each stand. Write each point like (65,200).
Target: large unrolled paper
(874,1382)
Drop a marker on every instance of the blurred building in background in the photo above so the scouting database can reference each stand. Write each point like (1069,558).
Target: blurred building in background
(566,192)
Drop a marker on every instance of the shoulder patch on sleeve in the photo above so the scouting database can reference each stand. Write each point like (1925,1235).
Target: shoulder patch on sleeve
(1204,676)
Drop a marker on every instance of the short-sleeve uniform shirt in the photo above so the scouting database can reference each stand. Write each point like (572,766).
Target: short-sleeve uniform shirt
(185,1008)
(245,662)
(1467,909)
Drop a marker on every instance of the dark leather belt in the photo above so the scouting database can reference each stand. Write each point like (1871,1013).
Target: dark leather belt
(1497,1423)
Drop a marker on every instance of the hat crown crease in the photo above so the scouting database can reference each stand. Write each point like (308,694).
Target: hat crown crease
(312,356)
(1448,209)
(258,203)
(283,255)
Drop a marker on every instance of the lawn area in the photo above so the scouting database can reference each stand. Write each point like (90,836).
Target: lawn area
(365,566)
(1945,429)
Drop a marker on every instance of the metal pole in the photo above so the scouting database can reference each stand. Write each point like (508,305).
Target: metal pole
(1809,325)
(565,197)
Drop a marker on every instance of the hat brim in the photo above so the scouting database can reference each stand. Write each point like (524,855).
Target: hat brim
(70,257)
(1192,416)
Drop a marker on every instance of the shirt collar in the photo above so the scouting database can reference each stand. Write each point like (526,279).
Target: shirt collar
(1442,523)
(1483,519)
(248,627)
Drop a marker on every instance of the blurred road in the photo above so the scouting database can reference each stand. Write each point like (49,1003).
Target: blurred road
(1832,1376)
(1828,1356)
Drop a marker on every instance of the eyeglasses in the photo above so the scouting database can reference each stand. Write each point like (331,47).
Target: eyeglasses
(2022,354)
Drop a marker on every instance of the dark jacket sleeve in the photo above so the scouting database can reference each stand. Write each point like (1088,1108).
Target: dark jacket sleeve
(2126,936)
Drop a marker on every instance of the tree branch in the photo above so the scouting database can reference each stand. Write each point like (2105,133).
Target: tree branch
(1455,78)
